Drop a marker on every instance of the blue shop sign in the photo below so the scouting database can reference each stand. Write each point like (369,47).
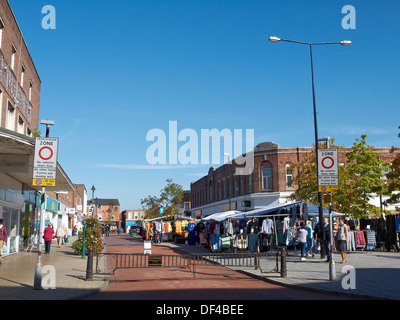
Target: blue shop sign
(52,205)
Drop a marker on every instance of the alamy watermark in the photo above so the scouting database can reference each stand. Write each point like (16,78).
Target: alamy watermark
(49,20)
(349,20)
(48,277)
(197,151)
(349,280)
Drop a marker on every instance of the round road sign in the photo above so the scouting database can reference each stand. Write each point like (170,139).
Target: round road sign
(327,162)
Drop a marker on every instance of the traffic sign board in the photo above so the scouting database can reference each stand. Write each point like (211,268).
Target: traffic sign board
(45,159)
(44,182)
(328,174)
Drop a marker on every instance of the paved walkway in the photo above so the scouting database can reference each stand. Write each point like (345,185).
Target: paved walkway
(17,274)
(377,274)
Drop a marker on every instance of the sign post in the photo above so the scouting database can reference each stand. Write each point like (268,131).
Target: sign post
(328,181)
(44,174)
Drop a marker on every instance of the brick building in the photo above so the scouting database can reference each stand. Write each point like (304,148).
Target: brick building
(105,209)
(270,183)
(19,80)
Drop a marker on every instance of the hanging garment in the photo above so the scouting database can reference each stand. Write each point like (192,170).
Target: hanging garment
(360,239)
(267,226)
(191,230)
(252,227)
(253,243)
(241,241)
(215,242)
(178,227)
(203,238)
(228,227)
(370,239)
(265,242)
(225,241)
(242,224)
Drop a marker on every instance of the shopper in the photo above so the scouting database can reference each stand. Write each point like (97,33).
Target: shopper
(310,240)
(3,236)
(326,238)
(342,236)
(60,235)
(65,234)
(302,239)
(48,235)
(317,239)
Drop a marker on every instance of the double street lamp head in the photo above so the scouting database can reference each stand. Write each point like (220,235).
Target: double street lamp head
(345,43)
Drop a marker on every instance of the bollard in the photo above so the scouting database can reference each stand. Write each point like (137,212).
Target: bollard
(89,267)
(283,263)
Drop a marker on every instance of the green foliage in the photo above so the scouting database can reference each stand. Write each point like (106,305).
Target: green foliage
(170,196)
(359,181)
(394,181)
(93,238)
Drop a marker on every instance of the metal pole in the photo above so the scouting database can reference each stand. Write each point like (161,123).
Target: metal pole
(37,285)
(283,263)
(320,209)
(89,266)
(83,240)
(332,271)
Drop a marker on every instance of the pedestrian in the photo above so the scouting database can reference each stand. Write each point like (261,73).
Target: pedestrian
(60,235)
(317,239)
(48,235)
(310,241)
(65,233)
(302,239)
(326,238)
(342,236)
(3,236)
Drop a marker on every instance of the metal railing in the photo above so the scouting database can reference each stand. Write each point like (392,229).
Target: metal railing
(265,262)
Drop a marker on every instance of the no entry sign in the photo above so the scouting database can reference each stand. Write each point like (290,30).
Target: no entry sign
(45,161)
(328,175)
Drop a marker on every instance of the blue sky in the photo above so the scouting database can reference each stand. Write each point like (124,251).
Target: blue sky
(113,70)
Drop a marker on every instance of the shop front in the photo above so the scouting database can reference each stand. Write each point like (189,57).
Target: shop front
(11,204)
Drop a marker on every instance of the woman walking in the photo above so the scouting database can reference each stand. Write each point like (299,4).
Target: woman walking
(342,236)
(48,235)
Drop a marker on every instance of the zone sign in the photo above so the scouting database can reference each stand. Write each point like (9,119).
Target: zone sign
(328,167)
(45,161)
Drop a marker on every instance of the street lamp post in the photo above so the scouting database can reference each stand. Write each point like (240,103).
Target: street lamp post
(343,43)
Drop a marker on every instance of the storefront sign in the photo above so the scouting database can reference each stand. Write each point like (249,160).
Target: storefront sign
(52,205)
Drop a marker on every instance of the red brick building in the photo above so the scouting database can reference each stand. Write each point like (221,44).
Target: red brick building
(105,209)
(270,183)
(19,80)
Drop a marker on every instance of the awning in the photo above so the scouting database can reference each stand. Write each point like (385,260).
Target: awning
(20,148)
(220,216)
(132,224)
(313,210)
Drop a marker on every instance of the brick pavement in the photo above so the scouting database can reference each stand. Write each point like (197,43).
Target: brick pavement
(18,270)
(377,274)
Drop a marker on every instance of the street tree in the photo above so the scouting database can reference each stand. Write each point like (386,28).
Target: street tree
(359,181)
(169,199)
